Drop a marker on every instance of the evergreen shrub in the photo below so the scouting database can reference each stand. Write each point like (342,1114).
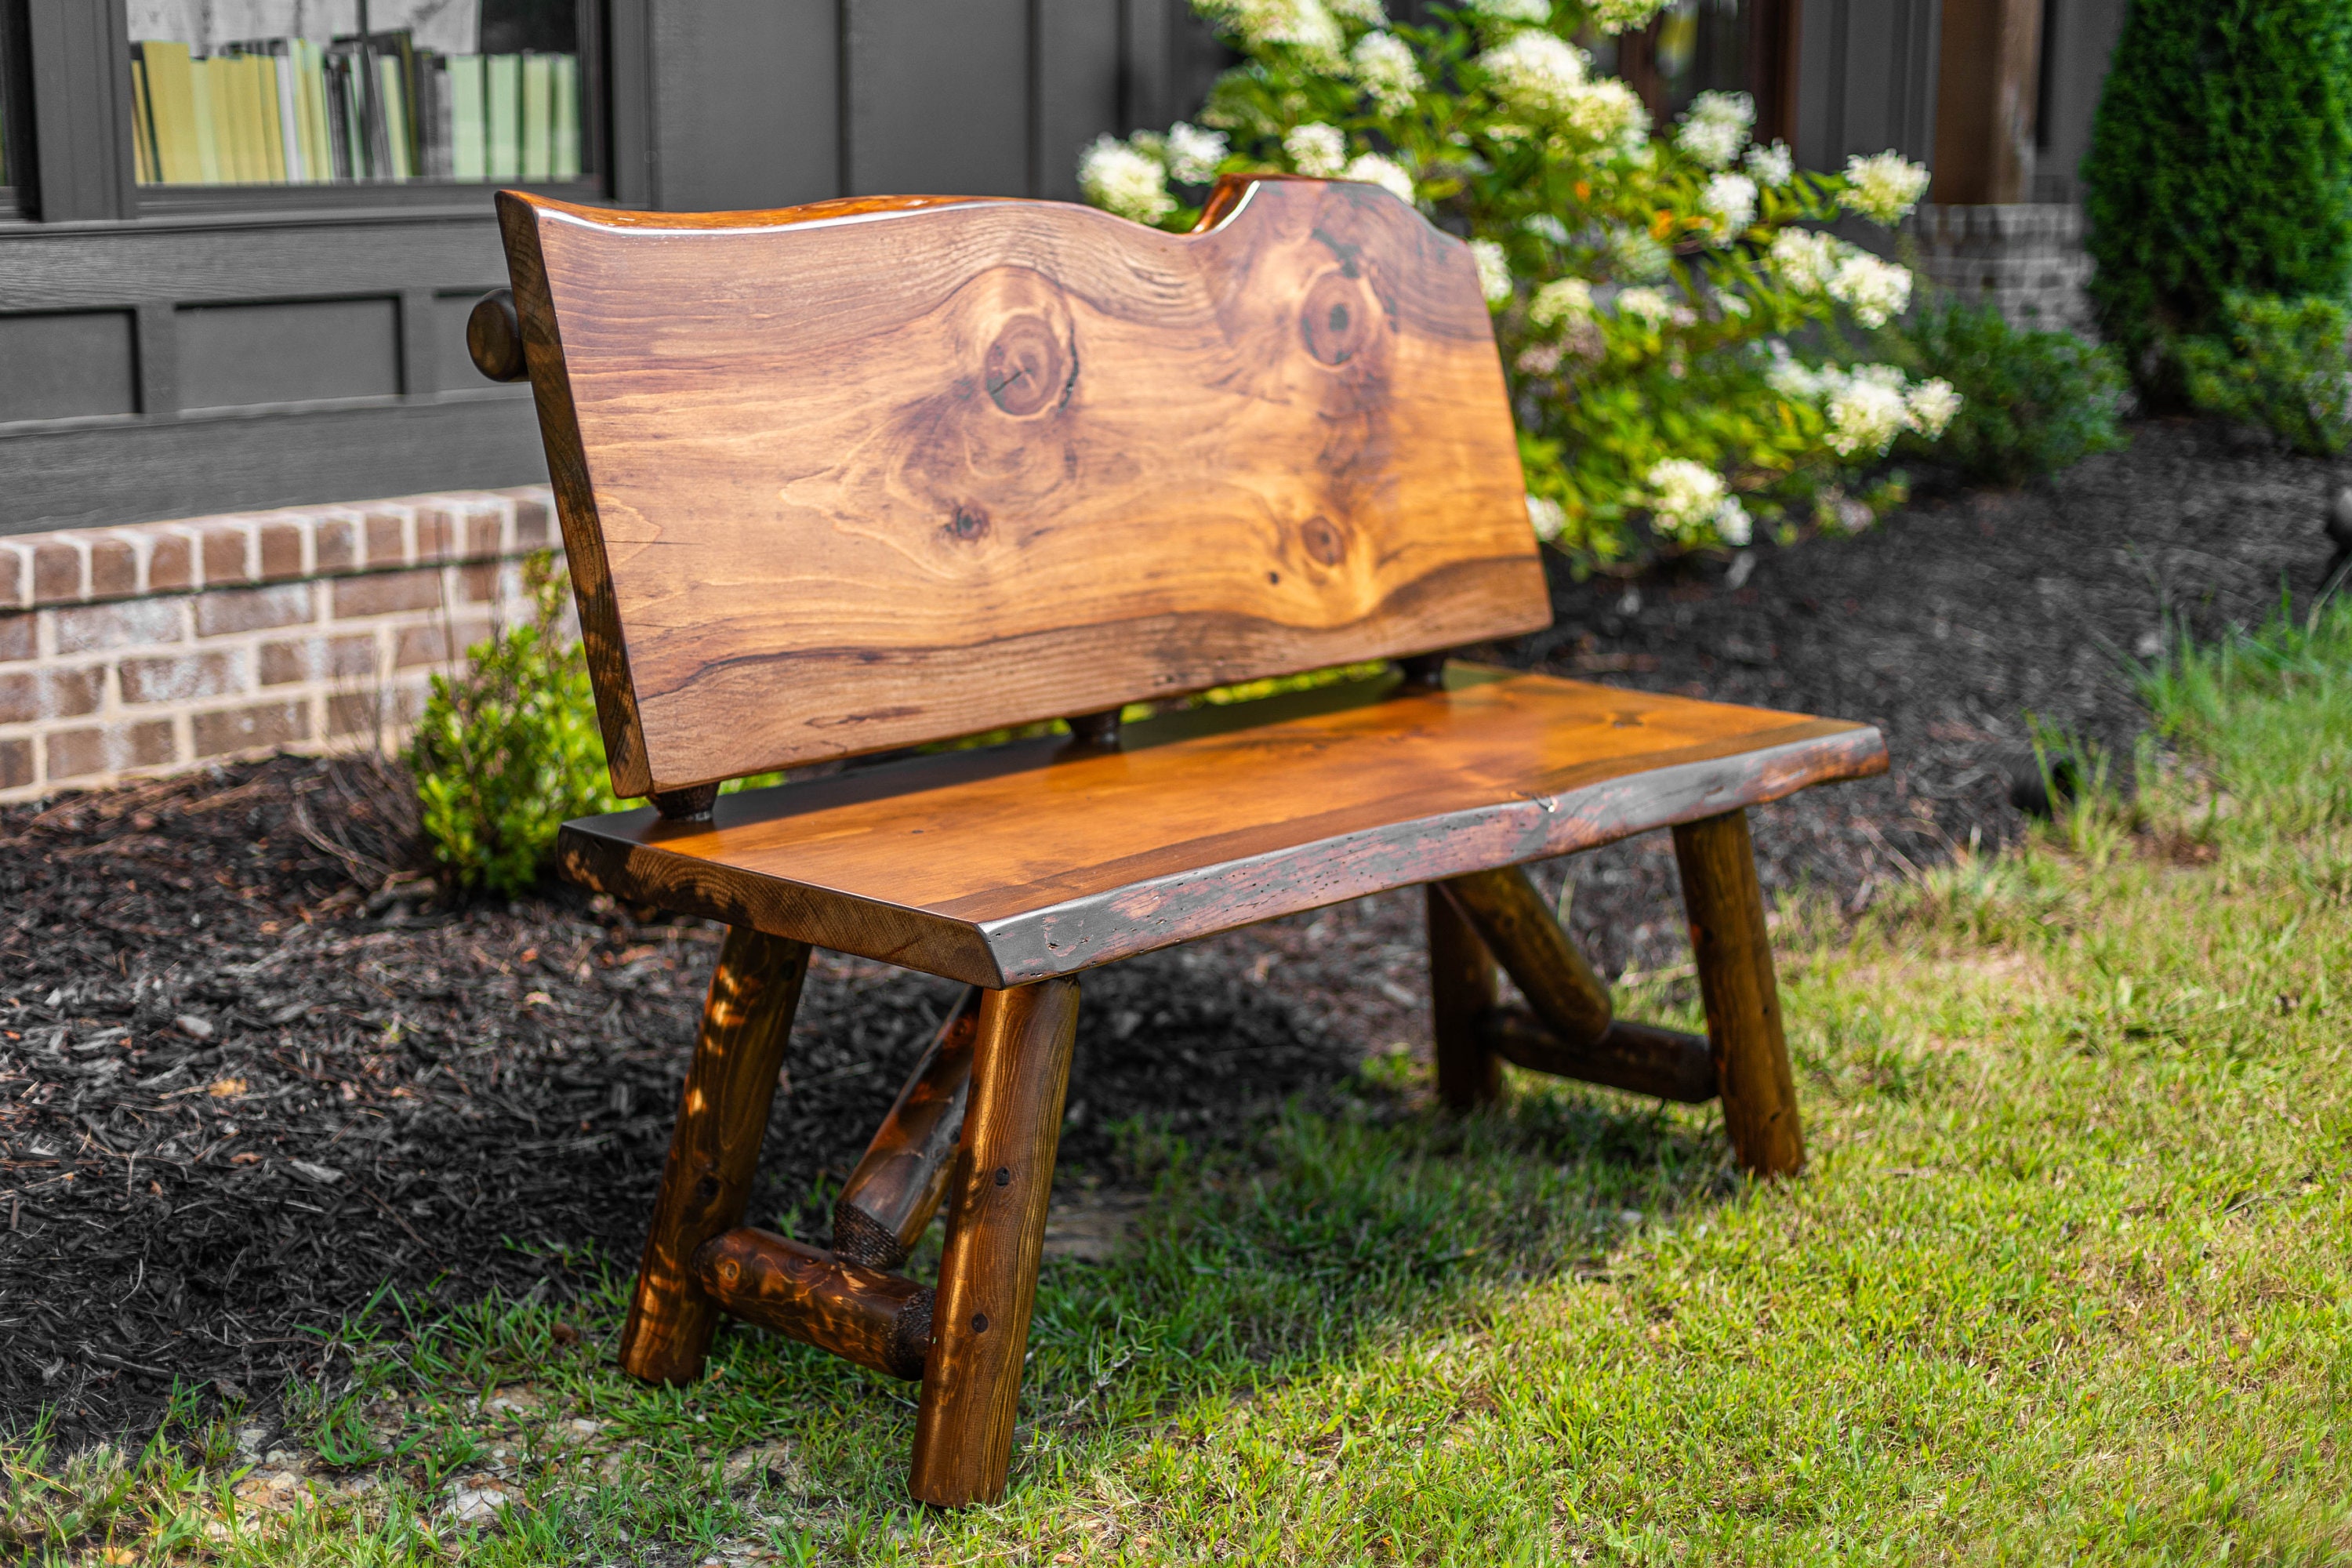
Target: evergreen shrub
(2031,402)
(2221,162)
(2280,363)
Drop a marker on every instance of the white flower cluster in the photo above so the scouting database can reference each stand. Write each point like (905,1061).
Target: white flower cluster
(1649,306)
(1812,262)
(1117,178)
(1730,200)
(1493,271)
(1194,153)
(1772,165)
(1303,24)
(1371,13)
(1607,109)
(1884,187)
(1385,173)
(1614,17)
(1535,72)
(1535,11)
(1385,66)
(1316,150)
(1559,302)
(1686,498)
(1868,405)
(1549,518)
(1715,128)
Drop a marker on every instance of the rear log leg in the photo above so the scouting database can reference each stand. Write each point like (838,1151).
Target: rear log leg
(1461,990)
(996,1233)
(1520,929)
(1734,955)
(722,1118)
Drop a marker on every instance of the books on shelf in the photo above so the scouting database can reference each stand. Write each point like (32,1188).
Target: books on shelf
(293,111)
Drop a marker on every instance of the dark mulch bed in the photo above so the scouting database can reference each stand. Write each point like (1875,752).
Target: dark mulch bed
(237,1094)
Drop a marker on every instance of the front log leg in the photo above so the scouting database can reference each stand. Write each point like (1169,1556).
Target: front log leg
(1462,989)
(996,1233)
(1734,956)
(722,1118)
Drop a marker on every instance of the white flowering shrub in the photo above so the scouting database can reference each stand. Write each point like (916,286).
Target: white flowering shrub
(1646,286)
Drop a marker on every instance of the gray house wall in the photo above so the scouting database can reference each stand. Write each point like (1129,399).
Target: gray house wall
(1865,80)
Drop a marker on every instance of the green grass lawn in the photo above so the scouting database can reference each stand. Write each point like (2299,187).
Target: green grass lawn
(2067,1280)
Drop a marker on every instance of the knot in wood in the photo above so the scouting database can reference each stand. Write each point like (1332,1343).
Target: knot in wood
(1323,542)
(1337,319)
(1028,369)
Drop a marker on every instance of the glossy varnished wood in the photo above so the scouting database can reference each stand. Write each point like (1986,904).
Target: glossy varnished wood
(721,1118)
(1640,1059)
(1734,954)
(1462,985)
(996,1233)
(860,1314)
(896,1187)
(1520,929)
(1035,858)
(845,478)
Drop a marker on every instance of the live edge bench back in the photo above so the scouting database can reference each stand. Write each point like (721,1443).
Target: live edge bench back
(866,474)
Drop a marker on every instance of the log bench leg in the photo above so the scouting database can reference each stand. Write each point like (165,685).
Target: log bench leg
(1462,987)
(722,1118)
(1734,956)
(996,1233)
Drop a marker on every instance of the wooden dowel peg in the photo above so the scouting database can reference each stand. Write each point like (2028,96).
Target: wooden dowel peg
(494,337)
(1734,955)
(1520,929)
(896,1187)
(858,1313)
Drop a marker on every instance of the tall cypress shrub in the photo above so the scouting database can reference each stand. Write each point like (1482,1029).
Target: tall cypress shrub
(2221,162)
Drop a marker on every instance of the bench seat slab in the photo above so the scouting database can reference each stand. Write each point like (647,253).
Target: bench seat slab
(1008,864)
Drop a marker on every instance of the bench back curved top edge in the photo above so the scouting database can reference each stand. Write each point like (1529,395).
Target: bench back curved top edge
(872,472)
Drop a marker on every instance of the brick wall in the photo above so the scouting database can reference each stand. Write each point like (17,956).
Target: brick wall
(143,649)
(2026,259)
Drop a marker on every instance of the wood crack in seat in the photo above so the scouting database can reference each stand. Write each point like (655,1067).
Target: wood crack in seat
(846,479)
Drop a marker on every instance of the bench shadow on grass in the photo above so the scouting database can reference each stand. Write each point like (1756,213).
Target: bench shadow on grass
(1351,1218)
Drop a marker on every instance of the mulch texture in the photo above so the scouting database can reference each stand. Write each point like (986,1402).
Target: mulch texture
(242,1086)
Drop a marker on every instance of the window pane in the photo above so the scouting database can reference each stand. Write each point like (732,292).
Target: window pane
(1702,45)
(269,92)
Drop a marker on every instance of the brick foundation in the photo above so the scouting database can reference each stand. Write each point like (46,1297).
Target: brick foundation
(127,651)
(2026,259)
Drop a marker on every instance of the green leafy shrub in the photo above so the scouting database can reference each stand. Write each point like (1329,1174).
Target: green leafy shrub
(1647,288)
(508,749)
(2221,162)
(2031,402)
(2282,365)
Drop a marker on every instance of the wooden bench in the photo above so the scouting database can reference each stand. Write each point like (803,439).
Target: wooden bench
(845,480)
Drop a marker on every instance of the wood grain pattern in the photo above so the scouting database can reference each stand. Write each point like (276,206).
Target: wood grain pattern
(1734,955)
(1036,858)
(1462,985)
(722,1118)
(845,480)
(858,1313)
(1640,1059)
(1520,929)
(996,1233)
(896,1187)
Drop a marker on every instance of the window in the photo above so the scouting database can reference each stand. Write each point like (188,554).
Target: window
(361,93)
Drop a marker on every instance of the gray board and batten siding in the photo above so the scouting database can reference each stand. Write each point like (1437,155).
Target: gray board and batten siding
(175,351)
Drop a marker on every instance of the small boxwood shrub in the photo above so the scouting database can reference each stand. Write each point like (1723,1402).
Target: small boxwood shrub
(508,748)
(2281,364)
(2031,402)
